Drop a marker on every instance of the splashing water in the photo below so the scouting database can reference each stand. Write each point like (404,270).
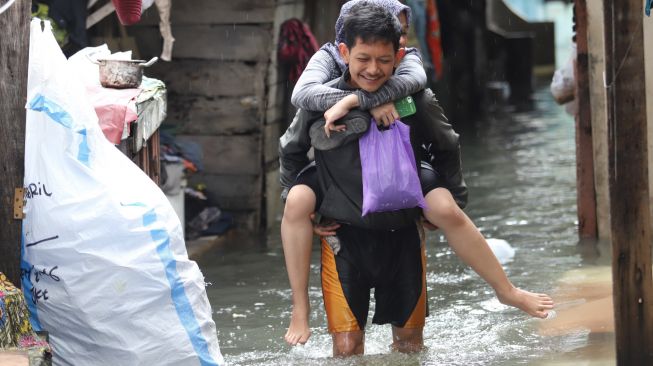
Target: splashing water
(520,169)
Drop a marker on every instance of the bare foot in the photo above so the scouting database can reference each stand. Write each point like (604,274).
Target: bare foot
(298,330)
(537,305)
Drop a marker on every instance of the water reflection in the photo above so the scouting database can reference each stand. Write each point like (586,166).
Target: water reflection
(520,168)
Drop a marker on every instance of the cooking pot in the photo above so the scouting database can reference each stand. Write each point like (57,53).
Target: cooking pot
(122,74)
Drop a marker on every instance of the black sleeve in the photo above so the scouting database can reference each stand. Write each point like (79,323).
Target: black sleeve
(293,147)
(441,142)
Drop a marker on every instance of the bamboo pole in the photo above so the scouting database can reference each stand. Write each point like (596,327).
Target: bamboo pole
(14,48)
(586,192)
(629,187)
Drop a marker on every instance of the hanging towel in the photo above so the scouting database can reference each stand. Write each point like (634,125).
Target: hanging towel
(163,7)
(296,46)
(648,7)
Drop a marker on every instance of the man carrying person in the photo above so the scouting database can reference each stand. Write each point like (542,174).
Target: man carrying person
(384,251)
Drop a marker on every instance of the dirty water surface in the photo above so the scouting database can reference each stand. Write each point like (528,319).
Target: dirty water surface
(520,169)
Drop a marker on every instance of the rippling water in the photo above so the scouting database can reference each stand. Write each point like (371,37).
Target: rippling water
(520,169)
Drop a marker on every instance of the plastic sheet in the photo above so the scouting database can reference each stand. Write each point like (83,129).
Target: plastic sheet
(105,268)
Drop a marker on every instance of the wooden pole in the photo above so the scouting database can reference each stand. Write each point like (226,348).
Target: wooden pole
(586,192)
(14,49)
(629,187)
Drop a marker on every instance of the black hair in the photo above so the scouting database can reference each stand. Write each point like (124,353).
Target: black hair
(371,23)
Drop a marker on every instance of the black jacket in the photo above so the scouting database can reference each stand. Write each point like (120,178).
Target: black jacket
(339,169)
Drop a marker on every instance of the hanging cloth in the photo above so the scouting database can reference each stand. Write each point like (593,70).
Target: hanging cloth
(165,28)
(649,3)
(129,11)
(418,8)
(433,37)
(296,46)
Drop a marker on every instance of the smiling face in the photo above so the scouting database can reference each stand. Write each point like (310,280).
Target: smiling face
(371,64)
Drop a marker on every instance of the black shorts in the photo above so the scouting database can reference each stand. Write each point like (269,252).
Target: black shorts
(308,177)
(428,179)
(393,263)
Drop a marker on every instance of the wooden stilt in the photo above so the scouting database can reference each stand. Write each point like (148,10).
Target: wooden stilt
(14,48)
(629,186)
(586,196)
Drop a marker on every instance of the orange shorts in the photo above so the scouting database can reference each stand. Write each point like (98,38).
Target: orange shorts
(391,262)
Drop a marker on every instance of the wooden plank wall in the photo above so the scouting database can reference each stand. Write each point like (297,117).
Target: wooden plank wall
(223,94)
(277,116)
(320,15)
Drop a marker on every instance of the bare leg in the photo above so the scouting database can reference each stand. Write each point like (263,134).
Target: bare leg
(470,245)
(347,344)
(296,237)
(407,340)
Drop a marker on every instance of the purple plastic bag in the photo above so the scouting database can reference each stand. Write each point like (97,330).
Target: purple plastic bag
(390,180)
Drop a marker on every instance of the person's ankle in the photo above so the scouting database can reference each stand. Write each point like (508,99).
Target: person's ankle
(505,292)
(300,309)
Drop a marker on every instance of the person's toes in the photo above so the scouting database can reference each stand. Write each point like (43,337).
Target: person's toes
(547,304)
(303,339)
(290,339)
(293,340)
(541,314)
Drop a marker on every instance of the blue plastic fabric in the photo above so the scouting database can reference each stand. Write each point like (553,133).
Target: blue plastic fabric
(390,180)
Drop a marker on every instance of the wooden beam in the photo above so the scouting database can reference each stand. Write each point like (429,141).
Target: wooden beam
(586,196)
(211,12)
(100,14)
(629,186)
(208,78)
(14,47)
(200,42)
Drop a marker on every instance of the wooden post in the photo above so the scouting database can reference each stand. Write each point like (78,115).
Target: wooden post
(629,187)
(586,193)
(14,48)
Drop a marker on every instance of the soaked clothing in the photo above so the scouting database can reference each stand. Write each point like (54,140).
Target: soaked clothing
(389,262)
(340,176)
(340,170)
(308,177)
(428,179)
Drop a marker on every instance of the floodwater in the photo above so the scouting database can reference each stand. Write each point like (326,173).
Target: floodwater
(520,169)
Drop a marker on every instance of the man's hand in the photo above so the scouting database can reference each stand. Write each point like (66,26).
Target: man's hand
(325,229)
(338,111)
(385,113)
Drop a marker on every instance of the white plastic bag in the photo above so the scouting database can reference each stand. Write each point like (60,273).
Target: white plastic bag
(563,84)
(104,267)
